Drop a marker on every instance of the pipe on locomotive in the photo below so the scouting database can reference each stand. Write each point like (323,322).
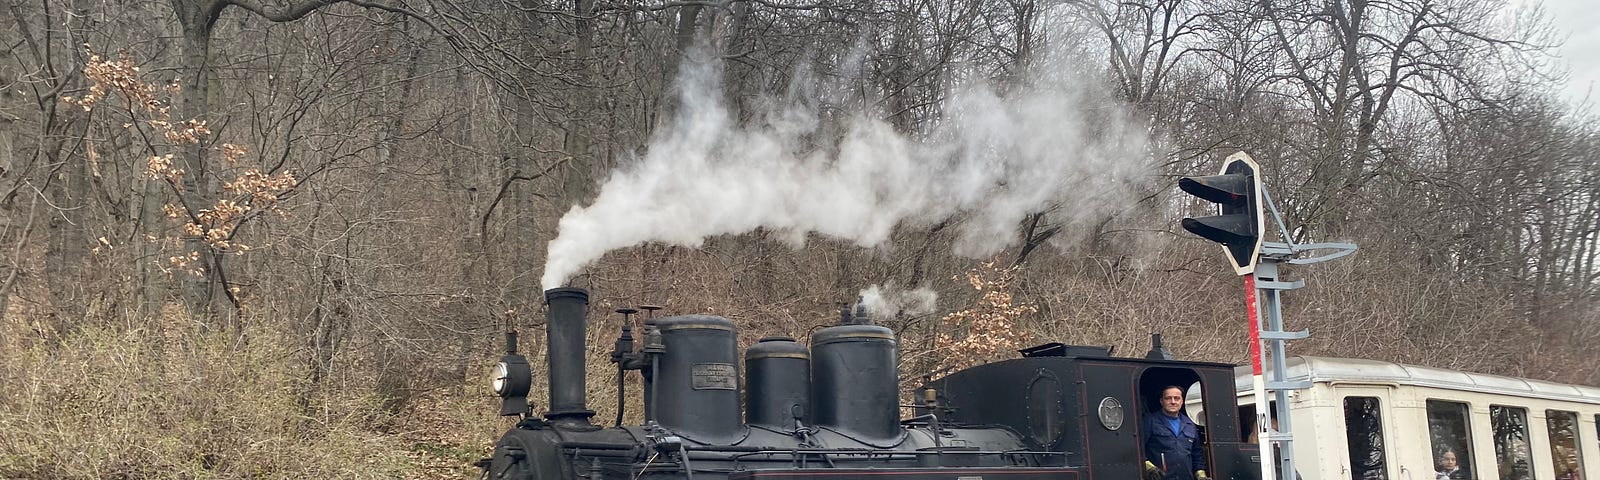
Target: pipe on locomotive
(565,337)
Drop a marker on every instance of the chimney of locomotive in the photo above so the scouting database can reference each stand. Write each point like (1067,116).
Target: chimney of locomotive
(564,333)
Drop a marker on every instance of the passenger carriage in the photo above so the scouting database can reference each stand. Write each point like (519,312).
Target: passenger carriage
(1374,420)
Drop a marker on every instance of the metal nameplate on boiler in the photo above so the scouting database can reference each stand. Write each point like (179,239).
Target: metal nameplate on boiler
(715,376)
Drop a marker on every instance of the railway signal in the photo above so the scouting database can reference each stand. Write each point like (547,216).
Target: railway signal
(1239,223)
(1238,227)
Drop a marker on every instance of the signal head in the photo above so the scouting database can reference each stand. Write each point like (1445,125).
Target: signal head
(1239,222)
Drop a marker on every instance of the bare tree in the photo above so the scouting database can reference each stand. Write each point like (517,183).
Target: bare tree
(1354,61)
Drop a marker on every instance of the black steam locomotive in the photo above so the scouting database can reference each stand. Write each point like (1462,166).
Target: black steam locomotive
(831,410)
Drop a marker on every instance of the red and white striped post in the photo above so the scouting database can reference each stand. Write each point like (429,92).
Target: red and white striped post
(1263,412)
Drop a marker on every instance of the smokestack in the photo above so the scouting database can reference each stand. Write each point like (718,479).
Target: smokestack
(564,333)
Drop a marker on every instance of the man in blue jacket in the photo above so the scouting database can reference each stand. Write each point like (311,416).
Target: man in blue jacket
(1172,449)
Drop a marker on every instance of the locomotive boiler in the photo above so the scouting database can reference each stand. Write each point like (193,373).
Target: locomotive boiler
(829,408)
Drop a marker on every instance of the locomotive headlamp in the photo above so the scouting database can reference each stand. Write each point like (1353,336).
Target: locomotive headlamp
(502,373)
(512,377)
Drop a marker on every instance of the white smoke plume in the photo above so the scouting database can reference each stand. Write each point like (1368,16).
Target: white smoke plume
(1057,141)
(884,302)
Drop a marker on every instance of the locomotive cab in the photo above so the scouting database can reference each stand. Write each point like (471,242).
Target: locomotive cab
(1090,407)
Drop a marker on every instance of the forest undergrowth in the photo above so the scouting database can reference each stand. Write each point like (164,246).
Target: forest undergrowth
(166,397)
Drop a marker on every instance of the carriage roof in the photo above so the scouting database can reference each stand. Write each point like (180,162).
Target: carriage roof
(1353,370)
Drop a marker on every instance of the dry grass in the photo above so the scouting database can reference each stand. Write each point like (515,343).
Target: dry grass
(164,398)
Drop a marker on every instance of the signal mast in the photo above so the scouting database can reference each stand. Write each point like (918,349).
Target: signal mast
(1239,226)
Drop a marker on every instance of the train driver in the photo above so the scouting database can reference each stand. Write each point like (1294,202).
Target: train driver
(1172,447)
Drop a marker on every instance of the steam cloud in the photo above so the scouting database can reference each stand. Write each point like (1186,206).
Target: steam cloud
(884,302)
(1055,142)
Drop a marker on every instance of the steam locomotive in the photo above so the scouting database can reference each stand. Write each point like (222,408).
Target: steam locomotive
(831,410)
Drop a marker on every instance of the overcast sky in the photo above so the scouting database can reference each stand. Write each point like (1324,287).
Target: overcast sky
(1581,20)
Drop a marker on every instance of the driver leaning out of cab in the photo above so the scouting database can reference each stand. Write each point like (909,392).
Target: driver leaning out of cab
(1172,447)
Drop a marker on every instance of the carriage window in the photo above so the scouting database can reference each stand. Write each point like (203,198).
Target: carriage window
(1511,450)
(1363,426)
(1564,444)
(1448,431)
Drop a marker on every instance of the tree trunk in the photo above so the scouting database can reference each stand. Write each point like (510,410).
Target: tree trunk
(68,240)
(9,214)
(578,183)
(199,183)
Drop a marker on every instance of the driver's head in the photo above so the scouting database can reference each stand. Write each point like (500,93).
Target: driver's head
(1171,400)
